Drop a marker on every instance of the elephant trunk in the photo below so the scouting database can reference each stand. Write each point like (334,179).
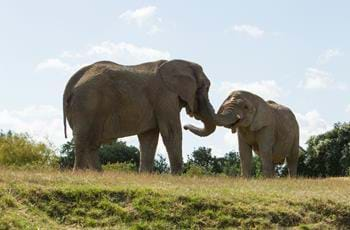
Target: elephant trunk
(228,120)
(223,120)
(206,115)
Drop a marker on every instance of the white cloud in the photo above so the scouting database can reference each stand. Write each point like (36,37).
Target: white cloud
(139,16)
(143,17)
(126,53)
(316,79)
(53,63)
(123,53)
(267,89)
(250,30)
(328,55)
(42,122)
(311,123)
(154,29)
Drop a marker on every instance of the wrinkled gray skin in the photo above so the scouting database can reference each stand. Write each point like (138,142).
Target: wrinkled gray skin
(270,129)
(105,101)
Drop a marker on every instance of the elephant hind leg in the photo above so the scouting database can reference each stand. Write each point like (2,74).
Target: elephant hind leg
(292,160)
(86,156)
(87,142)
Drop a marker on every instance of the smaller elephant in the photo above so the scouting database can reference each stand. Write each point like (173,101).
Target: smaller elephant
(268,128)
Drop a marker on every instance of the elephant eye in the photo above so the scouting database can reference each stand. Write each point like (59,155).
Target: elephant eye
(246,107)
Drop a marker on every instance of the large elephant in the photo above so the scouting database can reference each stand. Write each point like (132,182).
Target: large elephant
(268,128)
(105,101)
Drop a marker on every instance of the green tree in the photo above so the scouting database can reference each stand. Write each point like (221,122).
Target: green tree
(117,152)
(232,165)
(203,158)
(327,154)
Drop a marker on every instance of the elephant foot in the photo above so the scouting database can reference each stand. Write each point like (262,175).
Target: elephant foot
(176,171)
(89,166)
(75,169)
(268,175)
(145,170)
(248,176)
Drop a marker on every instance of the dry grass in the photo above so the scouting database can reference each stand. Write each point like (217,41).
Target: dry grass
(210,201)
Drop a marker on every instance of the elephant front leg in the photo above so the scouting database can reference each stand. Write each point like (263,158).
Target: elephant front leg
(172,138)
(267,164)
(265,152)
(265,139)
(148,145)
(245,152)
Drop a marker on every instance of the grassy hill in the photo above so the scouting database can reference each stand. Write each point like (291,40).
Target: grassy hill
(48,199)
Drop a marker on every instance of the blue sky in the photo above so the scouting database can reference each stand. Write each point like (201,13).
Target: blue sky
(294,52)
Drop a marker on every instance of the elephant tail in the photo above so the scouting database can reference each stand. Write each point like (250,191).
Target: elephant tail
(68,92)
(64,120)
(65,105)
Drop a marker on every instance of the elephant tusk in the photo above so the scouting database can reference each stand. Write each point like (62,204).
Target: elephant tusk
(238,116)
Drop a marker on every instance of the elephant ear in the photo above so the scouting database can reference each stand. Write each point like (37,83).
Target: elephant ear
(179,77)
(263,116)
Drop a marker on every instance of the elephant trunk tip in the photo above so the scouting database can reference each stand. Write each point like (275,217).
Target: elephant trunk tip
(202,132)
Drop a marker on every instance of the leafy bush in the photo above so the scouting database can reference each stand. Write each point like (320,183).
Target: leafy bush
(202,157)
(161,165)
(232,163)
(196,170)
(21,150)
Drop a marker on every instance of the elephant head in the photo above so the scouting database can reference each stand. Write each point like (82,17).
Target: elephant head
(190,83)
(243,109)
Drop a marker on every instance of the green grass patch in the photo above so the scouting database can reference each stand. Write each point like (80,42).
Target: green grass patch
(34,199)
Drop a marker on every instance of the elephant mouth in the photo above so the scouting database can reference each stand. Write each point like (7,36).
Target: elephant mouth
(233,125)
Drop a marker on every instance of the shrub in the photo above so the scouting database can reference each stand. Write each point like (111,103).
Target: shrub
(161,165)
(21,150)
(232,165)
(196,170)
